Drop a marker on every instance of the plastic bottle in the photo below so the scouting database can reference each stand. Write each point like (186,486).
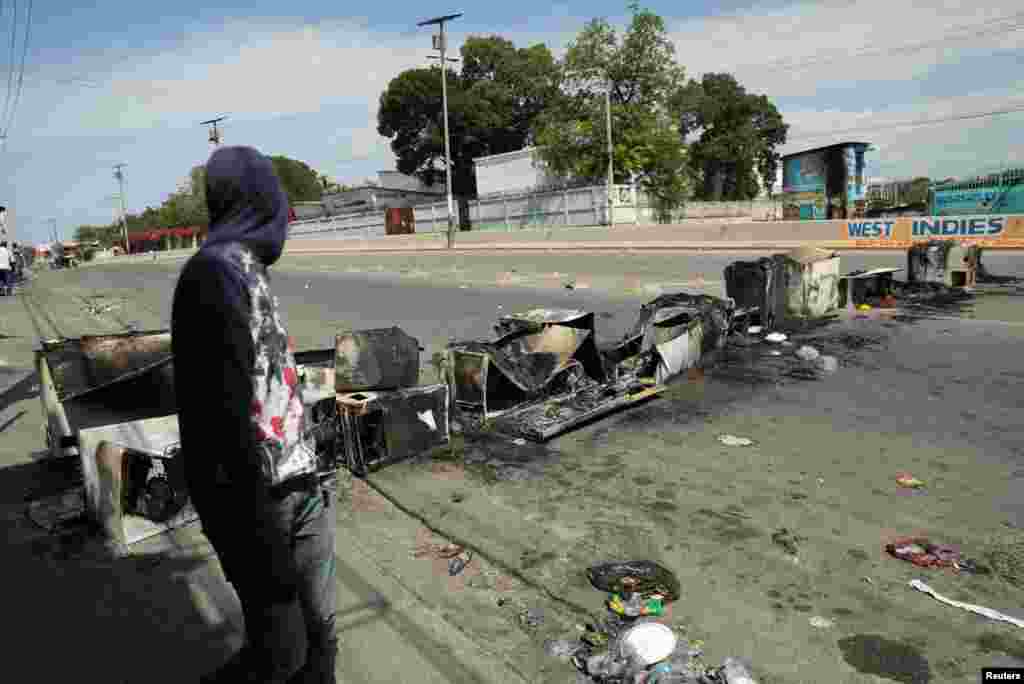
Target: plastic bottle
(735,672)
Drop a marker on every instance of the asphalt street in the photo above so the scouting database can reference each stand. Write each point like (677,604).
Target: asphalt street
(934,392)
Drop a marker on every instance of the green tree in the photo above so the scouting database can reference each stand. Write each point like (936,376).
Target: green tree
(492,105)
(739,133)
(919,188)
(637,73)
(301,183)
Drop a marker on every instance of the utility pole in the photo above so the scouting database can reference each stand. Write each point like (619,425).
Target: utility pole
(440,43)
(214,132)
(119,175)
(608,112)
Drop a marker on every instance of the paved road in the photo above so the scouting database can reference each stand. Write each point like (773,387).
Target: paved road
(940,397)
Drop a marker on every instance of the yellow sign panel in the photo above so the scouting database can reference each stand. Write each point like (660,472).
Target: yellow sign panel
(1006,231)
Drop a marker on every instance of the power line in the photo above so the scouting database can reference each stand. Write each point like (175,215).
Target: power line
(10,61)
(909,124)
(966,31)
(21,69)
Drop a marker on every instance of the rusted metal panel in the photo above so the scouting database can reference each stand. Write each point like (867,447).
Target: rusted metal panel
(811,280)
(80,364)
(378,359)
(680,331)
(757,287)
(383,427)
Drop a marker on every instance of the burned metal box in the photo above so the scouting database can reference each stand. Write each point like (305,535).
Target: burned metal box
(757,289)
(382,427)
(379,359)
(942,262)
(109,403)
(537,353)
(811,282)
(676,332)
(872,287)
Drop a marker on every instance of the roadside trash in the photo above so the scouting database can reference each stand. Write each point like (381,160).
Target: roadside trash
(923,553)
(864,307)
(787,540)
(787,343)
(972,567)
(755,330)
(651,642)
(828,364)
(734,671)
(867,287)
(633,605)
(641,577)
(377,359)
(519,441)
(887,302)
(562,648)
(442,551)
(775,352)
(980,610)
(531,618)
(908,481)
(807,353)
(775,337)
(459,563)
(734,441)
(821,622)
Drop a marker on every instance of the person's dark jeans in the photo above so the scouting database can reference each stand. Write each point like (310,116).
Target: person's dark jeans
(308,517)
(5,280)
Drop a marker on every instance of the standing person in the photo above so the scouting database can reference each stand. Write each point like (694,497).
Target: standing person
(250,471)
(5,268)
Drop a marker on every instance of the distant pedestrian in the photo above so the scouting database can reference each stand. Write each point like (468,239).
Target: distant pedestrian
(5,268)
(250,468)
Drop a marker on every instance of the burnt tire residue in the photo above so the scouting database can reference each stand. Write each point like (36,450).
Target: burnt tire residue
(894,660)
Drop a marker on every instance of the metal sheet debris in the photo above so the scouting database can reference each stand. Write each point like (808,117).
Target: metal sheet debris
(380,428)
(942,262)
(866,287)
(378,359)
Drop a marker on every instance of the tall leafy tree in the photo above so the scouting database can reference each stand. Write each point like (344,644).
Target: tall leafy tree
(636,73)
(300,181)
(493,102)
(737,133)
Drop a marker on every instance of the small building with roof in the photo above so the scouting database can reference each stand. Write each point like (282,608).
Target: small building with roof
(825,182)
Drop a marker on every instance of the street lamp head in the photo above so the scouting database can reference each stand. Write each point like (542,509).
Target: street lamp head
(439,20)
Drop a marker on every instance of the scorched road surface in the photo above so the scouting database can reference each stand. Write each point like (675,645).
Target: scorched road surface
(933,393)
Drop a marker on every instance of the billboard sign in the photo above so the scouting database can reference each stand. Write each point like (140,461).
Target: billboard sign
(991,230)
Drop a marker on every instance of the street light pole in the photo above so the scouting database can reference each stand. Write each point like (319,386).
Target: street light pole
(608,122)
(119,175)
(443,47)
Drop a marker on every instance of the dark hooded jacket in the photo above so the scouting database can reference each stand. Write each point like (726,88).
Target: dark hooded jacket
(239,401)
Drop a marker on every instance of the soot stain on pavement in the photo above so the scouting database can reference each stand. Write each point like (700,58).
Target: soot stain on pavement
(895,660)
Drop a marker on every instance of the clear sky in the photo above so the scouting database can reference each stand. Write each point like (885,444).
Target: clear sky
(130,81)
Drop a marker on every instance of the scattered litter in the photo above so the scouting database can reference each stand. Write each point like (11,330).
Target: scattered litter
(645,577)
(651,642)
(734,671)
(908,481)
(734,441)
(923,553)
(828,364)
(864,307)
(787,540)
(562,648)
(459,563)
(807,353)
(755,330)
(532,618)
(307,285)
(775,337)
(868,580)
(519,441)
(821,622)
(441,551)
(775,352)
(980,610)
(787,343)
(633,605)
